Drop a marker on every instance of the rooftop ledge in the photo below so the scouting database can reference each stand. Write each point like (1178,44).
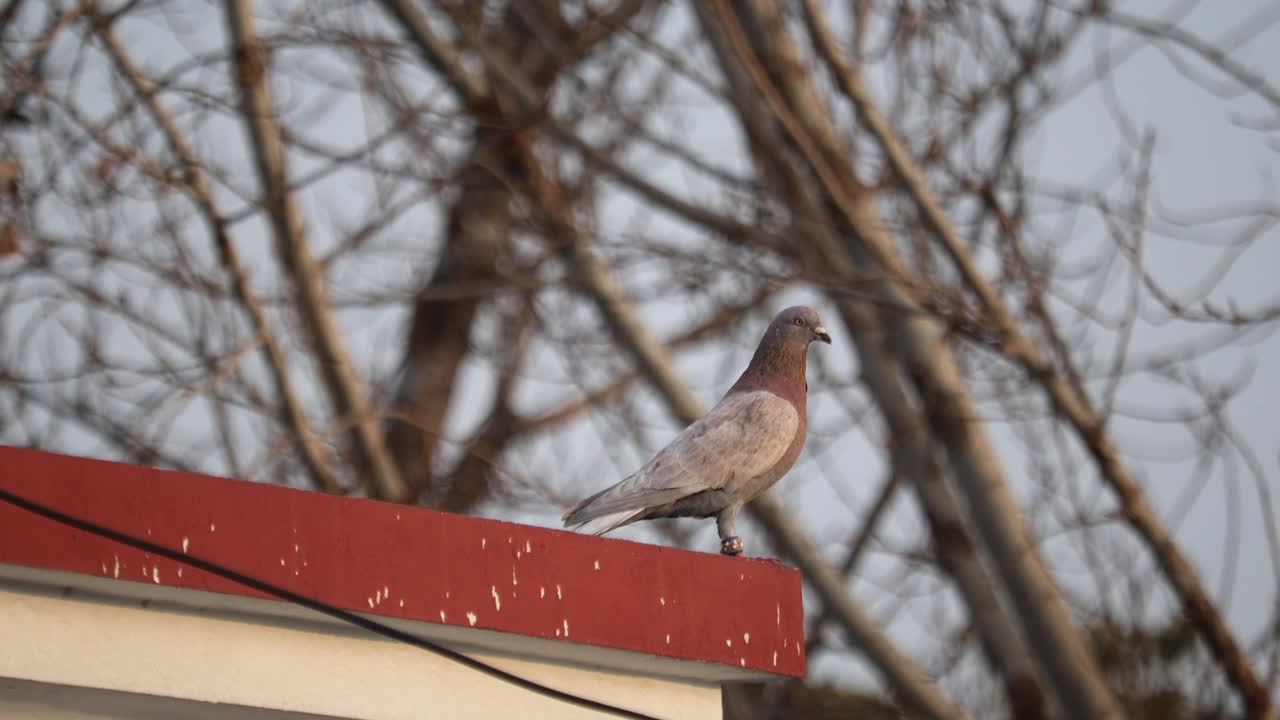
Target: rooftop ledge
(469,583)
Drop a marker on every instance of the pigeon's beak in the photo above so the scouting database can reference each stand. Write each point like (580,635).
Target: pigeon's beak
(820,333)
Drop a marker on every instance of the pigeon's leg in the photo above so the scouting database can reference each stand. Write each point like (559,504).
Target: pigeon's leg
(726,519)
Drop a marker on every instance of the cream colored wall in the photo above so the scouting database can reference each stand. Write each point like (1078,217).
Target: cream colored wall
(46,701)
(254,661)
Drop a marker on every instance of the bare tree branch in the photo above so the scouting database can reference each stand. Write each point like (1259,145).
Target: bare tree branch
(1071,402)
(928,362)
(336,366)
(292,412)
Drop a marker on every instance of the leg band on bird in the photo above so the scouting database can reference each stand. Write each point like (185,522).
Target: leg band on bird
(731,545)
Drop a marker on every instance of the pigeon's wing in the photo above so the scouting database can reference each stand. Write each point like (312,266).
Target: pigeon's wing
(743,436)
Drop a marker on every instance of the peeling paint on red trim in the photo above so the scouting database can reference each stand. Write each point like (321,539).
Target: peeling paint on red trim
(408,562)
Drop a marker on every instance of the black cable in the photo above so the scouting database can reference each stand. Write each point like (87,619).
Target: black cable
(346,616)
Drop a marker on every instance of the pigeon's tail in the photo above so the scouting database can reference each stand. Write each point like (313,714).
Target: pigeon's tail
(581,511)
(616,506)
(605,523)
(586,516)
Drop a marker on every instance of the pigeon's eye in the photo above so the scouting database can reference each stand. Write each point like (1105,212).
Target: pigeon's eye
(799,321)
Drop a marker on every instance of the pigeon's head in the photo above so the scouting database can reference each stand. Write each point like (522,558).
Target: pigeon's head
(800,325)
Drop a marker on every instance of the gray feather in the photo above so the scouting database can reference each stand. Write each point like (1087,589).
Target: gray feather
(731,448)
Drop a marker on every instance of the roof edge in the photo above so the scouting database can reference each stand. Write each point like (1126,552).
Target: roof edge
(469,581)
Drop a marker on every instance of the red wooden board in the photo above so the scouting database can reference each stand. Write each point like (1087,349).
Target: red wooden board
(408,562)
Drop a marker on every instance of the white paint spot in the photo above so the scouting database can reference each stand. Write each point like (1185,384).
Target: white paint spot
(528,547)
(401,602)
(212,527)
(370,601)
(296,572)
(442,616)
(668,638)
(728,642)
(104,568)
(148,532)
(742,662)
(186,543)
(295,547)
(304,563)
(779,611)
(116,572)
(377,596)
(517,554)
(557,632)
(508,539)
(559,595)
(784,642)
(483,542)
(471,618)
(155,574)
(797,647)
(179,572)
(281,562)
(497,601)
(662,600)
(397,516)
(514,581)
(386,593)
(775,658)
(144,570)
(566,627)
(542,591)
(597,564)
(446,594)
(746,638)
(741,577)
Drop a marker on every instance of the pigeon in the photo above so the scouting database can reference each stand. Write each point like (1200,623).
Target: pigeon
(726,458)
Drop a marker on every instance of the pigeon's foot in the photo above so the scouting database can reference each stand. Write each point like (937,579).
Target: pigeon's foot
(731,545)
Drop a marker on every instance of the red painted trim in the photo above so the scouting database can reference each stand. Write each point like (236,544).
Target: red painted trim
(408,562)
